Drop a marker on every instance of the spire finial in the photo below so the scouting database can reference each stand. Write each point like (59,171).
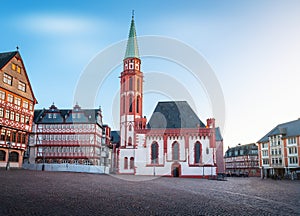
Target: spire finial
(132,14)
(17,47)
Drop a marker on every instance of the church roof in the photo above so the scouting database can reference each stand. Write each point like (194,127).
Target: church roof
(132,50)
(6,57)
(174,114)
(288,129)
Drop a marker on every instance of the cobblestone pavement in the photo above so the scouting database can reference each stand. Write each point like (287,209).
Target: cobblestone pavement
(26,192)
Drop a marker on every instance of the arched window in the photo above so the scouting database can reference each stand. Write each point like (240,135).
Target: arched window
(175,150)
(154,153)
(14,157)
(197,152)
(126,163)
(123,104)
(130,127)
(131,163)
(130,104)
(130,83)
(137,104)
(2,155)
(129,141)
(138,85)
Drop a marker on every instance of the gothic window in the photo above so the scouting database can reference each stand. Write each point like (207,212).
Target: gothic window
(138,84)
(130,104)
(154,153)
(126,163)
(131,163)
(175,150)
(130,127)
(130,83)
(14,157)
(129,141)
(197,149)
(137,104)
(123,104)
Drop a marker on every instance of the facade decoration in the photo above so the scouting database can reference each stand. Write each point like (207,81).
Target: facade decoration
(16,109)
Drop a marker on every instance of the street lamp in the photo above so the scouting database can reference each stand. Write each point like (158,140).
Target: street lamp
(8,159)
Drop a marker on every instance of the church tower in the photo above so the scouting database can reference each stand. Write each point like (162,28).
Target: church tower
(131,93)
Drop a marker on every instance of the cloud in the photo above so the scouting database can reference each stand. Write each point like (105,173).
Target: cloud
(58,24)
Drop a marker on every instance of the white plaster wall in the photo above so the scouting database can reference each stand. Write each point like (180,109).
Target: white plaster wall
(126,153)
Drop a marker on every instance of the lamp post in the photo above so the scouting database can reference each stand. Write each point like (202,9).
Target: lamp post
(8,158)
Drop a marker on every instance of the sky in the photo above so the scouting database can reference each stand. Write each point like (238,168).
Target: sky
(252,46)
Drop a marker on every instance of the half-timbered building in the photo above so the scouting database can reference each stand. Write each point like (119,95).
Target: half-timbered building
(16,109)
(71,137)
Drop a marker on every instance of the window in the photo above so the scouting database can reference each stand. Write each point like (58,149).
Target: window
(293,160)
(175,151)
(18,69)
(7,114)
(25,104)
(137,104)
(1,112)
(265,161)
(2,136)
(14,157)
(197,149)
(17,117)
(7,79)
(154,153)
(130,127)
(22,119)
(138,85)
(130,65)
(10,98)
(12,116)
(131,163)
(30,106)
(2,95)
(130,83)
(292,140)
(27,119)
(129,141)
(130,104)
(13,66)
(22,86)
(126,163)
(2,155)
(18,101)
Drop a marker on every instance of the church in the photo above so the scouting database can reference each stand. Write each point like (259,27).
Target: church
(174,142)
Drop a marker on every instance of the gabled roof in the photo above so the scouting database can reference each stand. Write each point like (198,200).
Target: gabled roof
(132,50)
(174,114)
(288,129)
(240,150)
(41,116)
(6,57)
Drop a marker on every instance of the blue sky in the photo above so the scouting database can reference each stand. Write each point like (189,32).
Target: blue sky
(252,46)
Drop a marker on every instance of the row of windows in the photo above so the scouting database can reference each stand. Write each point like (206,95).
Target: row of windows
(131,164)
(293,160)
(60,149)
(276,151)
(13,156)
(175,152)
(67,126)
(12,136)
(16,67)
(276,161)
(264,153)
(130,84)
(9,80)
(16,100)
(293,150)
(130,104)
(292,140)
(76,137)
(13,116)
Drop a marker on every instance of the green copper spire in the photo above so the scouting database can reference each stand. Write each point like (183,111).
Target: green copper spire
(132,50)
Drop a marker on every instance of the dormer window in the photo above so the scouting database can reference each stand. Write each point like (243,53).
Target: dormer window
(49,115)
